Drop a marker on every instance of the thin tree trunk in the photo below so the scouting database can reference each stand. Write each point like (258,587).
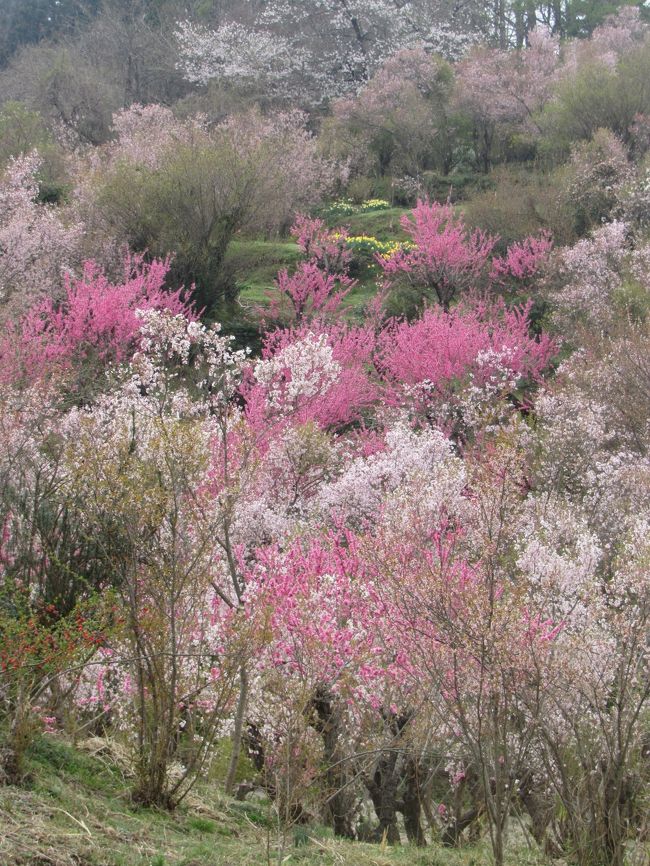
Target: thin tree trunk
(229,784)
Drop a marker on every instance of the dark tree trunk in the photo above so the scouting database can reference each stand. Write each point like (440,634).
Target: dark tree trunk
(539,810)
(327,721)
(383,792)
(385,780)
(410,806)
(253,741)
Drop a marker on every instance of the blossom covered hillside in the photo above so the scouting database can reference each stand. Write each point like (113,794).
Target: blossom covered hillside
(325,480)
(352,546)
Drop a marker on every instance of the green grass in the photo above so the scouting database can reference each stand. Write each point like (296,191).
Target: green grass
(255,263)
(381,224)
(76,812)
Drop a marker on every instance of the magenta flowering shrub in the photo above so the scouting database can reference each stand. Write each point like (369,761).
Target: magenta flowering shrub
(523,259)
(454,367)
(444,347)
(445,259)
(95,320)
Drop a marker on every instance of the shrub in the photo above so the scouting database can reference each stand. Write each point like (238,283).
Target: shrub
(596,173)
(187,190)
(521,203)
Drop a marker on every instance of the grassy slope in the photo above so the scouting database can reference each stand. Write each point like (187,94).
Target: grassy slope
(382,224)
(255,263)
(76,812)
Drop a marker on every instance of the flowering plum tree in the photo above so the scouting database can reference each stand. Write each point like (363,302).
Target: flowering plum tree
(177,658)
(36,245)
(444,258)
(495,86)
(452,368)
(356,547)
(95,322)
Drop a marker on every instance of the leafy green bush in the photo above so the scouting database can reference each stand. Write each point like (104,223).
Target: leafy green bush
(521,203)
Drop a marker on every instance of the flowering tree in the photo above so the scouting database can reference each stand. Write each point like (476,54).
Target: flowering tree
(582,550)
(51,619)
(316,290)
(598,172)
(387,555)
(324,655)
(326,248)
(585,280)
(444,258)
(183,189)
(329,48)
(457,369)
(400,115)
(495,86)
(319,375)
(95,322)
(145,132)
(523,260)
(156,516)
(36,245)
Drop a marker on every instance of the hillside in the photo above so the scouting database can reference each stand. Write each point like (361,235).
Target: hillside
(75,812)
(324,411)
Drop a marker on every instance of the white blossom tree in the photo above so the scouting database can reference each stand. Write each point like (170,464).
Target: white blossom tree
(319,49)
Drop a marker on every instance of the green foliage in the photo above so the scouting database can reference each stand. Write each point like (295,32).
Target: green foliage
(583,16)
(26,21)
(360,189)
(597,96)
(51,756)
(454,187)
(383,225)
(632,301)
(521,203)
(253,813)
(191,205)
(255,264)
(23,130)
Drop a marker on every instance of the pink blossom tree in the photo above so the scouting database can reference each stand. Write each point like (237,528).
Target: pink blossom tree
(320,375)
(523,260)
(495,86)
(442,347)
(400,115)
(316,290)
(443,259)
(94,322)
